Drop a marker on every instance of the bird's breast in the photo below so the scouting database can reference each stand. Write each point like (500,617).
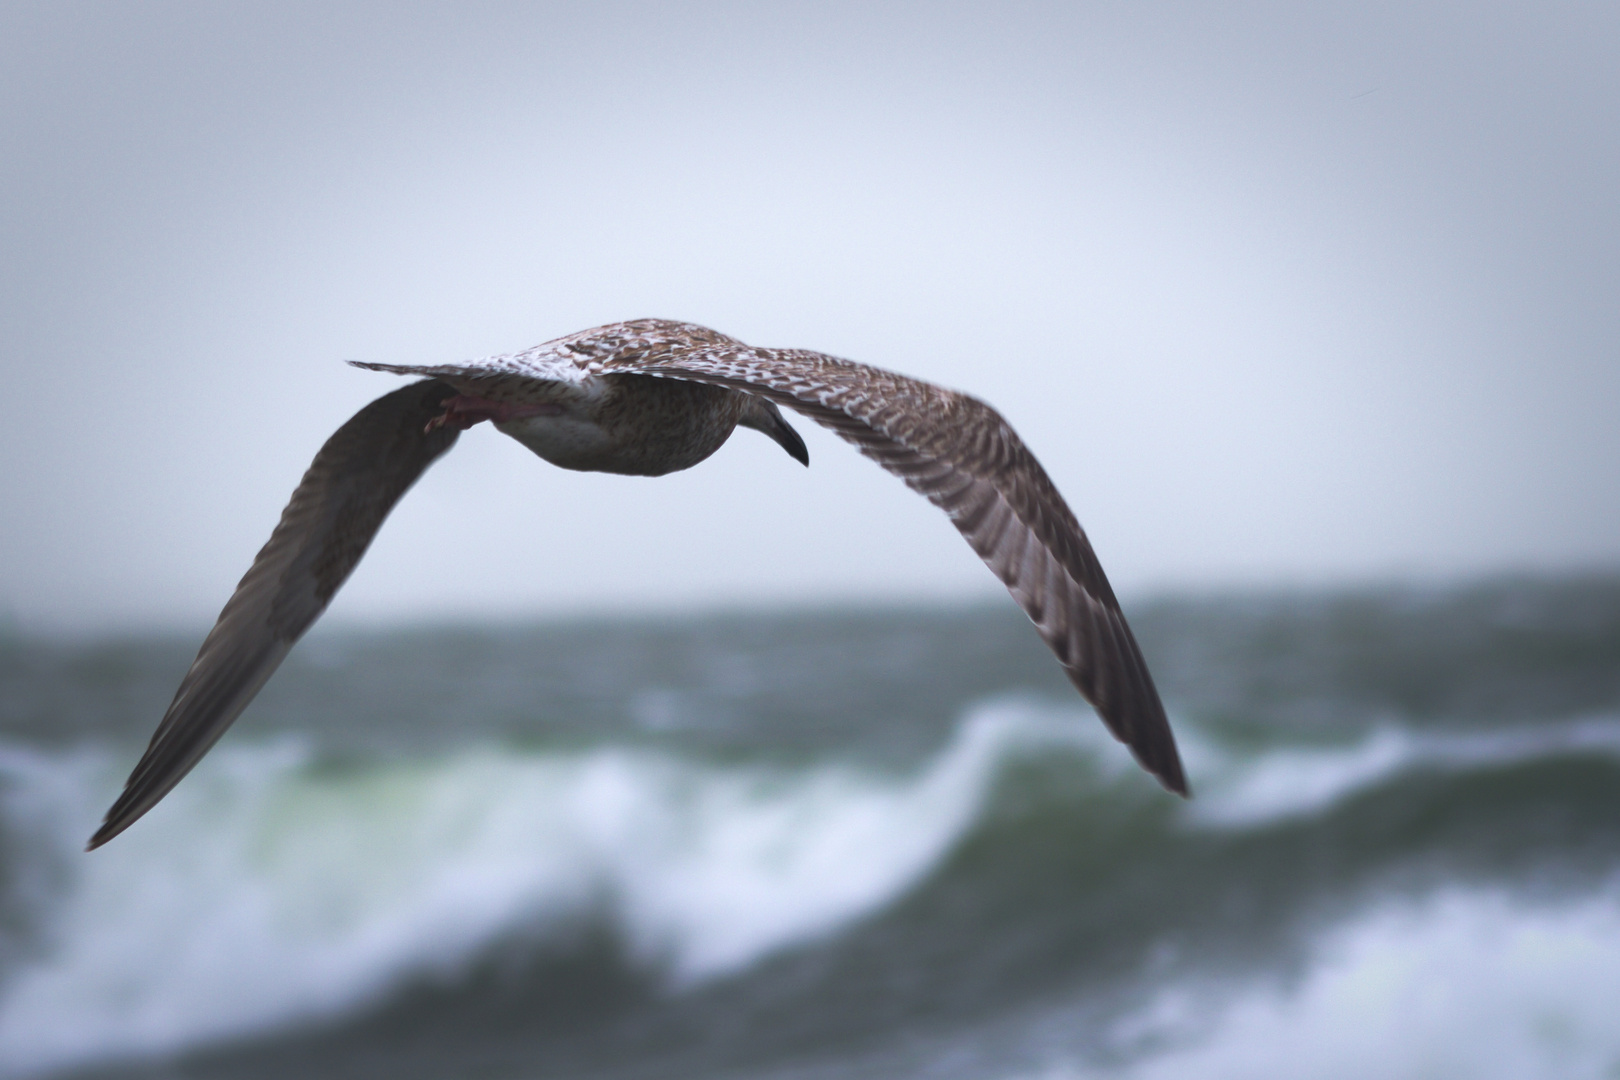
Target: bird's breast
(639,426)
(572,442)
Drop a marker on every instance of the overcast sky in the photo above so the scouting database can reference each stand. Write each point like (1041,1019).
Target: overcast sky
(1279,292)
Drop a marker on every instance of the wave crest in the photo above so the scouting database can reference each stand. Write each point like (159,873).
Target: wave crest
(265,891)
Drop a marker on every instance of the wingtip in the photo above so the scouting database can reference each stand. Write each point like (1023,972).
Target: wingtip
(120,816)
(107,831)
(1177,785)
(1166,770)
(1165,765)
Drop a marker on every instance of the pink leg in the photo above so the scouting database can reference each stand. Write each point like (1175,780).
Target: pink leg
(465,410)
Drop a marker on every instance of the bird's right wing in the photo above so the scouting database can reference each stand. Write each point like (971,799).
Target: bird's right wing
(335,512)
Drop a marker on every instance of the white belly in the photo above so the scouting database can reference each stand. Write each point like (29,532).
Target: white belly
(631,424)
(568,441)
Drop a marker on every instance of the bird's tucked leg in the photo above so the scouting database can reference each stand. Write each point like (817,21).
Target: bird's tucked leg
(465,410)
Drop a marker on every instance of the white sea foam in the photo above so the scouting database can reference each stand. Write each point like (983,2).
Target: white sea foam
(1240,790)
(263,892)
(1461,983)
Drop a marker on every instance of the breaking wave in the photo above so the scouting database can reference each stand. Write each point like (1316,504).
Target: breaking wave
(265,891)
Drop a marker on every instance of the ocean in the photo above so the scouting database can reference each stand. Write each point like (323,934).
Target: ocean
(836,843)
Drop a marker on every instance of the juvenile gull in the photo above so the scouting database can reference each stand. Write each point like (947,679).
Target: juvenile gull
(646,398)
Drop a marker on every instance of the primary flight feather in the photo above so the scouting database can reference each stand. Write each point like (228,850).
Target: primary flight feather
(646,398)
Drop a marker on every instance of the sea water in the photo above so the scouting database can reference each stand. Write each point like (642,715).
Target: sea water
(866,843)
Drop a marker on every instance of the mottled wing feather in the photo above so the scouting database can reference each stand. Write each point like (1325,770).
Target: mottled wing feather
(964,458)
(351,486)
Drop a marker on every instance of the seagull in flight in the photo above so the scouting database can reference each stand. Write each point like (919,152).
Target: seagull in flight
(645,398)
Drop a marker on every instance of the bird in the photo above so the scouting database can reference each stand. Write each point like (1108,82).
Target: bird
(645,398)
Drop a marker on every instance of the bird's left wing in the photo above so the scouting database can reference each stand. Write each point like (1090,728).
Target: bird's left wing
(964,458)
(335,512)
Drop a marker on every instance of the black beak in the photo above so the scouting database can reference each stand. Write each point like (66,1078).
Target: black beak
(790,440)
(765,416)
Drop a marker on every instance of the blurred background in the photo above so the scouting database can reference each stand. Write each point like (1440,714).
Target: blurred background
(753,771)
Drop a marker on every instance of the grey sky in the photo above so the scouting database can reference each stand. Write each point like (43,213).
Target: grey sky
(1278,292)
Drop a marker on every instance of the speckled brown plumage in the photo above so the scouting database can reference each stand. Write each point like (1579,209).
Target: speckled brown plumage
(649,397)
(350,487)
